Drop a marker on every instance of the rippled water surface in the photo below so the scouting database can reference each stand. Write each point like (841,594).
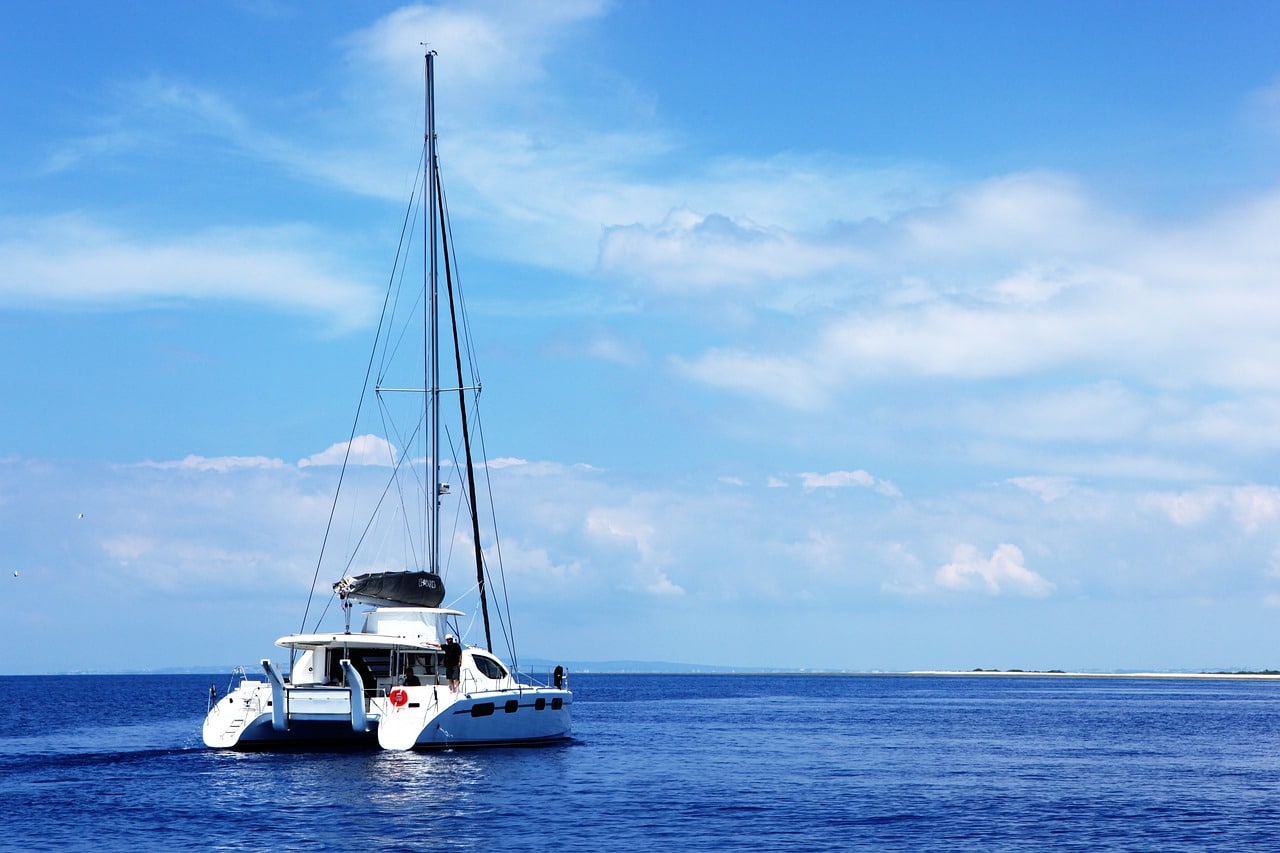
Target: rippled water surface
(689,762)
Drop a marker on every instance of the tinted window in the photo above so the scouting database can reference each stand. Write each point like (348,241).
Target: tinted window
(489,667)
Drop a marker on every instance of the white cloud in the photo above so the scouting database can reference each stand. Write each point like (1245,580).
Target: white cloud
(1038,214)
(158,113)
(73,261)
(363,450)
(1029,276)
(841,479)
(534,567)
(1255,507)
(622,525)
(1187,508)
(507,462)
(1251,424)
(795,382)
(1048,489)
(631,529)
(660,584)
(714,251)
(218,464)
(837,479)
(1251,507)
(1003,573)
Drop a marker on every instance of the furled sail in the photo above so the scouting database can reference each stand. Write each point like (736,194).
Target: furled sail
(406,589)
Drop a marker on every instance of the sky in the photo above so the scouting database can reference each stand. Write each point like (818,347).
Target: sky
(838,335)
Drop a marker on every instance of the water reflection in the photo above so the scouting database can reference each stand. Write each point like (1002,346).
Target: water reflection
(386,798)
(407,780)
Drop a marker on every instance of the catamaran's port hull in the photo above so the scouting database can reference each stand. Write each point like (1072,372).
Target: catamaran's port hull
(246,719)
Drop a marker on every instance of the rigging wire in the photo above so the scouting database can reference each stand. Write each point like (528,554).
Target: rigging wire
(507,625)
(449,261)
(504,611)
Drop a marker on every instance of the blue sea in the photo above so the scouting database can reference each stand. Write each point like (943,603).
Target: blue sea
(674,762)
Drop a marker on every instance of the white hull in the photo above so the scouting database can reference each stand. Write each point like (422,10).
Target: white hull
(434,718)
(430,717)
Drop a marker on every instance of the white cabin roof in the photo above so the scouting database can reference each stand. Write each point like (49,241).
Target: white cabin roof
(406,627)
(364,641)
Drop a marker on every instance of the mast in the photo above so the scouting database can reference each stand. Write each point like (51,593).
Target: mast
(432,366)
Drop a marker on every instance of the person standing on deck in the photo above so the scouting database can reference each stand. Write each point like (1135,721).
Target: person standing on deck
(452,661)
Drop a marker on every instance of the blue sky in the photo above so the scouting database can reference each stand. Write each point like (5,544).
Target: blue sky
(871,336)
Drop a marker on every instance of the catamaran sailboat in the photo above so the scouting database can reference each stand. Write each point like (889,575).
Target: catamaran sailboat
(402,681)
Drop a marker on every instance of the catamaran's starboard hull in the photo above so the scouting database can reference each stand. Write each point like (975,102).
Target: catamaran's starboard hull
(434,718)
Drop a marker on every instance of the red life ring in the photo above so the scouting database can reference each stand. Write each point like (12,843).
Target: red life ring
(398,696)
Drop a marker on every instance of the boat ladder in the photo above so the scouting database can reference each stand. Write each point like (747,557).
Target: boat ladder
(240,714)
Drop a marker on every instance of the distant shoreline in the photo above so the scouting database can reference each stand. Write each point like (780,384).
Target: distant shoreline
(1257,676)
(606,669)
(1265,675)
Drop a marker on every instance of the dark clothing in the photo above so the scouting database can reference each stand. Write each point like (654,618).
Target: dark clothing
(452,659)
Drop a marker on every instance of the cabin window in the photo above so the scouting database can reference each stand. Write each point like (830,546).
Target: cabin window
(557,703)
(489,667)
(482,709)
(421,668)
(541,703)
(512,706)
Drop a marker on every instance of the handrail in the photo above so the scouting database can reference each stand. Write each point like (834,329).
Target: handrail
(238,677)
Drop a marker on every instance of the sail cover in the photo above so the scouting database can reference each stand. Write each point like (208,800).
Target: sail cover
(406,589)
